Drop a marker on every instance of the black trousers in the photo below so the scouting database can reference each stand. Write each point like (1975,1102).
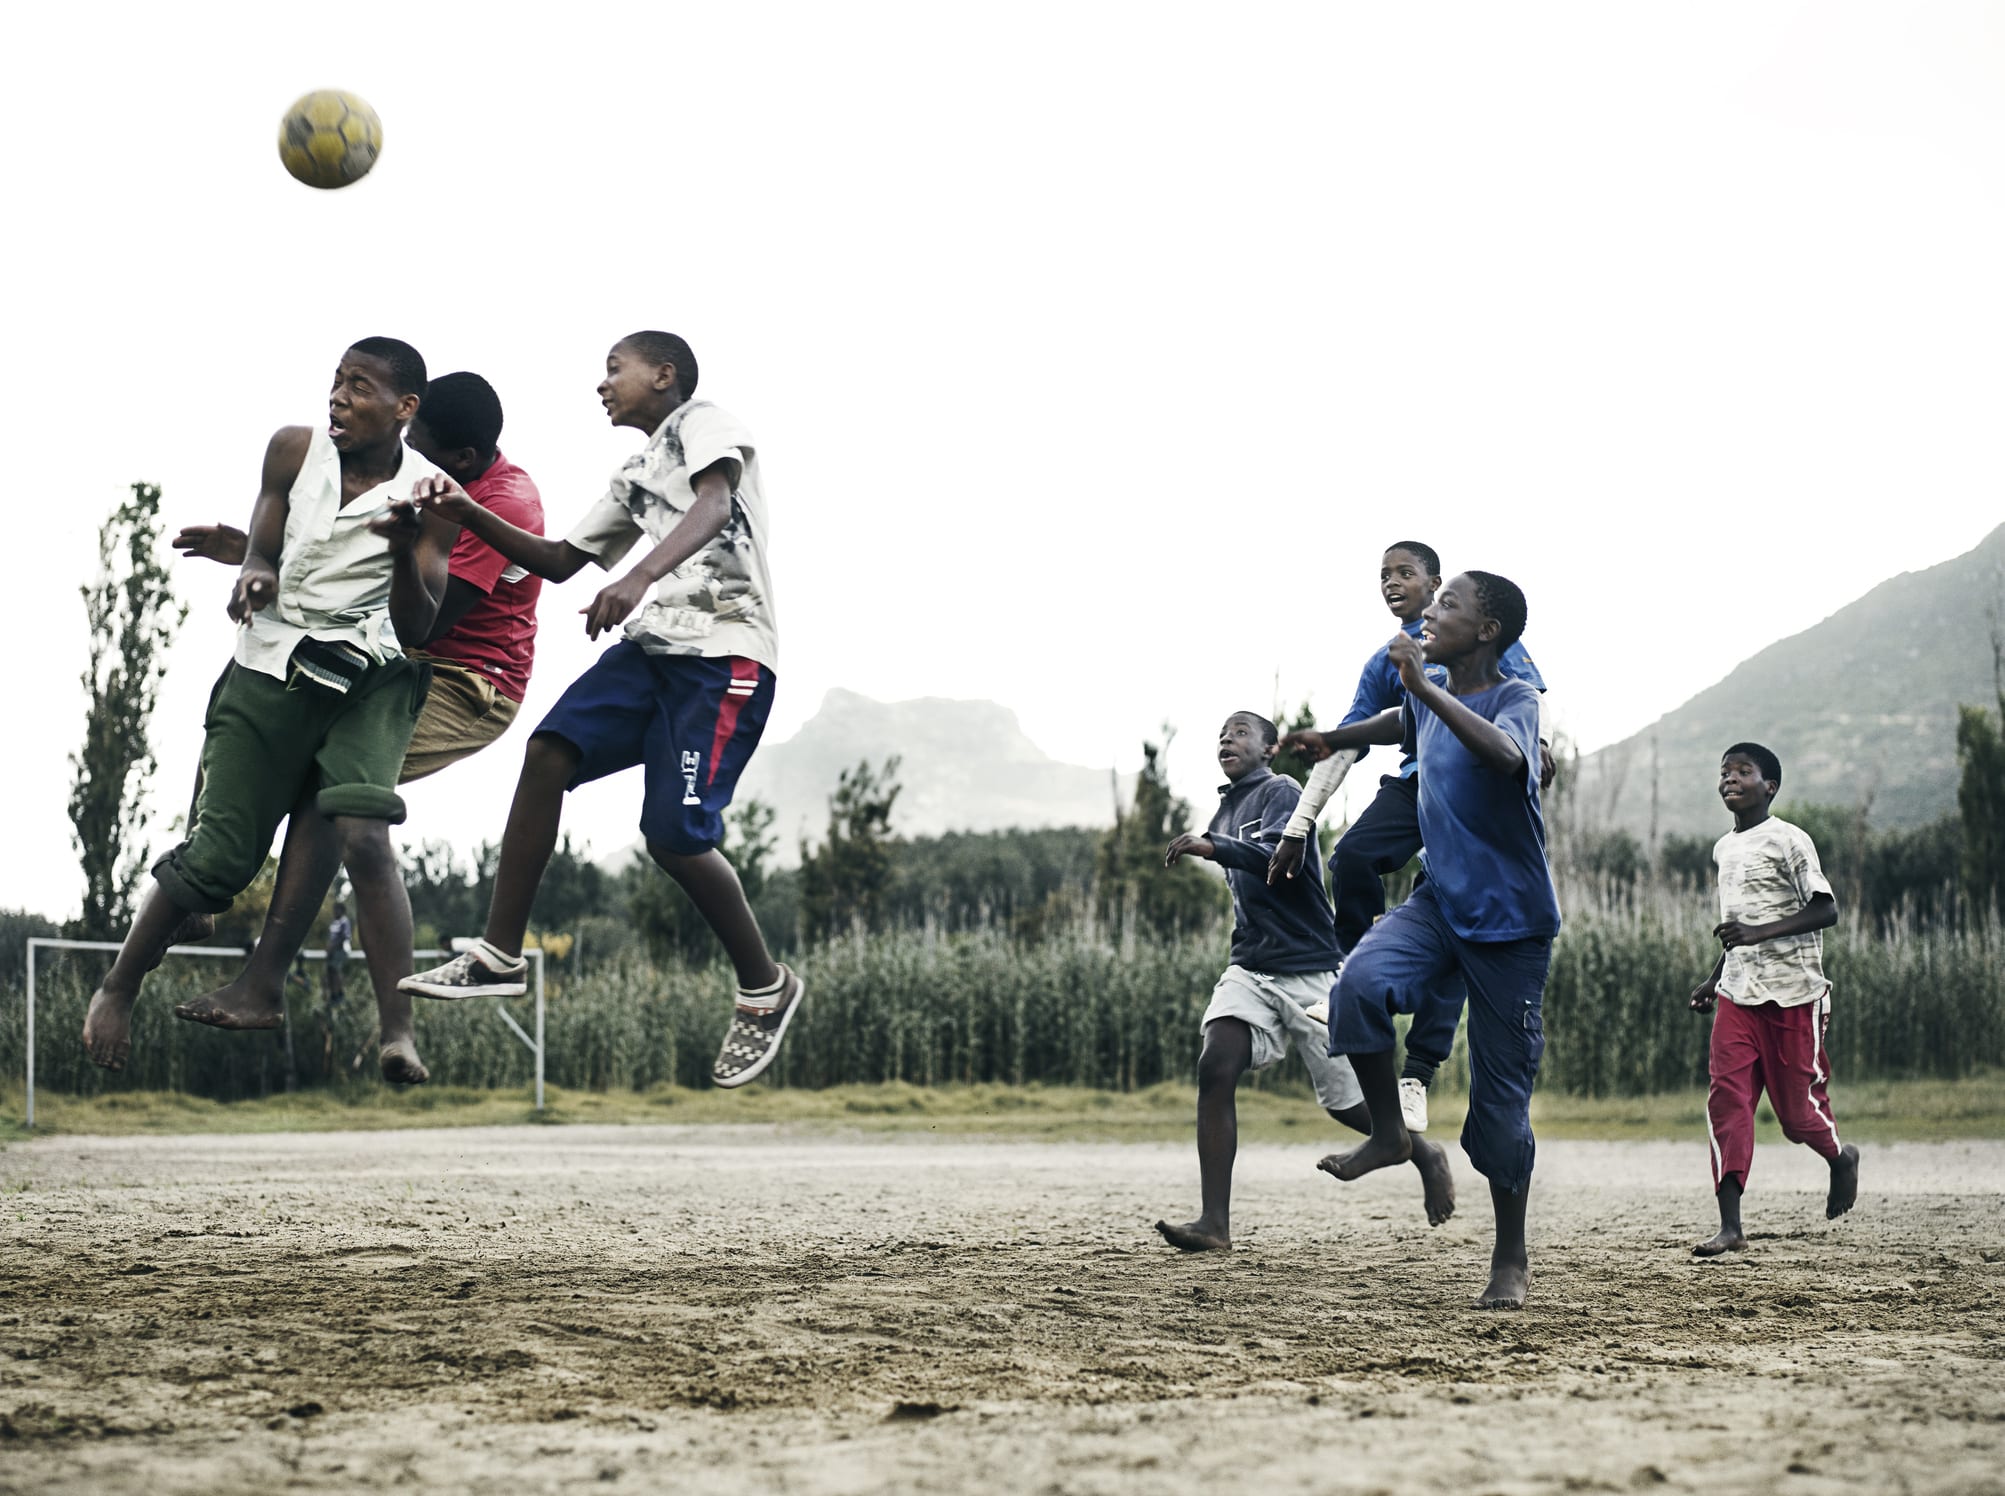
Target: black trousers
(1383,840)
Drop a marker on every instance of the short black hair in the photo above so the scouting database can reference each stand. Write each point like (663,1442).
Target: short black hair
(406,364)
(666,348)
(1269,733)
(1424,554)
(462,410)
(1760,757)
(1500,598)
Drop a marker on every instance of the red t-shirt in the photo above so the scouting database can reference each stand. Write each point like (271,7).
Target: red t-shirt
(497,635)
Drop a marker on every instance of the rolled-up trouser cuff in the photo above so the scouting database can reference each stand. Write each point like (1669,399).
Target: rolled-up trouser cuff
(367,801)
(173,880)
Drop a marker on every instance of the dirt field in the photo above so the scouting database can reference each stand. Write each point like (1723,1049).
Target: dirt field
(739,1309)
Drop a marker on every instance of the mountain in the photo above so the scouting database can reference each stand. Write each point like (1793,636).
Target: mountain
(1860,708)
(964,766)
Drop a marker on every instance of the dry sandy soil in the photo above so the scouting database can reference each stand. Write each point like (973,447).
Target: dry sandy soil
(739,1309)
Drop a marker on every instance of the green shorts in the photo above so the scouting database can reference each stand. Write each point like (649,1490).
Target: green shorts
(266,745)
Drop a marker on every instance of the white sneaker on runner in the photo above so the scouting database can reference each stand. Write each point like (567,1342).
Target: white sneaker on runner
(1413,1104)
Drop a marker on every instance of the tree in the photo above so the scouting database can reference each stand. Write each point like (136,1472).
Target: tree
(1131,880)
(1980,800)
(845,883)
(133,617)
(1293,765)
(1980,792)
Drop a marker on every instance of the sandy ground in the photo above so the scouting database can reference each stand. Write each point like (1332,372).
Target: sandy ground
(739,1309)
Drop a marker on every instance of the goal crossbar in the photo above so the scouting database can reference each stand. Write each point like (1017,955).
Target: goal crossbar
(39,943)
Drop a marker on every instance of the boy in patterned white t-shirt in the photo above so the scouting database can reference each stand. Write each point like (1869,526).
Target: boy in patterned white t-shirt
(684,694)
(1769,1033)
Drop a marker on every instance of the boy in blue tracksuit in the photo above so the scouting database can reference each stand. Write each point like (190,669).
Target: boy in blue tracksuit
(1485,913)
(1284,950)
(1387,836)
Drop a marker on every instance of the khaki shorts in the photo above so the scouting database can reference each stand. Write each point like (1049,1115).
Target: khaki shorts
(461,716)
(1273,1006)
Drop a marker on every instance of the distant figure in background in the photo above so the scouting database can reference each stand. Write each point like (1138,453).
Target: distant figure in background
(1769,1033)
(1284,954)
(334,973)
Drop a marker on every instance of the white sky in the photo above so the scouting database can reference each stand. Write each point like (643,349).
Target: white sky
(1095,351)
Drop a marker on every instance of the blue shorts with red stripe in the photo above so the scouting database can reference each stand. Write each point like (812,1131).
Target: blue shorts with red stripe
(691,721)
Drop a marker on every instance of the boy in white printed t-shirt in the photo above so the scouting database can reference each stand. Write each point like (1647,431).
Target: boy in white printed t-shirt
(685,693)
(1769,1033)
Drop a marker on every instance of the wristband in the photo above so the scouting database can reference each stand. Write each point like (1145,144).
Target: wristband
(1323,782)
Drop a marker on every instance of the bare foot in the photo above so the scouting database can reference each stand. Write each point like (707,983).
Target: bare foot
(400,1064)
(1509,1282)
(1844,1183)
(1198,1236)
(1730,1239)
(193,930)
(1374,1152)
(1437,1180)
(239,1005)
(108,1029)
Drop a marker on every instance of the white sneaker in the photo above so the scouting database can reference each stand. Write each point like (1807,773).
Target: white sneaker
(480,972)
(1318,1012)
(1413,1104)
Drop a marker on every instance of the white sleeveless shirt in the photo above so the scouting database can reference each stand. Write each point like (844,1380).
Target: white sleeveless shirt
(333,575)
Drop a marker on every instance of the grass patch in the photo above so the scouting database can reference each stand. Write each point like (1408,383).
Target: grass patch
(1870,1111)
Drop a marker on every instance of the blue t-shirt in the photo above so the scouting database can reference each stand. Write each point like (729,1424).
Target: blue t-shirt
(1484,833)
(1380,688)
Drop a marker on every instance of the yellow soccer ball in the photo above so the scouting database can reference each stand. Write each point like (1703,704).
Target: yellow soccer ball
(329,138)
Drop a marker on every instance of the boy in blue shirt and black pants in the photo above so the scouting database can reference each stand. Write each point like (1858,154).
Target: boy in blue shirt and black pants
(1387,835)
(1486,911)
(1284,952)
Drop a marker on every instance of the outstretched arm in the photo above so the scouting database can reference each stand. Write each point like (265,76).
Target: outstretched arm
(257,581)
(1317,744)
(554,560)
(1492,746)
(702,523)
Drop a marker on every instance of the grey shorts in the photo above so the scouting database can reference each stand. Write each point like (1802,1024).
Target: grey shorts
(1272,1005)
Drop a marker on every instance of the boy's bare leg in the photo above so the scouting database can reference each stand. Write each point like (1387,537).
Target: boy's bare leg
(1437,1178)
(1730,1238)
(108,1022)
(713,887)
(1844,1183)
(1227,1054)
(306,866)
(193,927)
(1389,1143)
(528,840)
(384,908)
(1510,1263)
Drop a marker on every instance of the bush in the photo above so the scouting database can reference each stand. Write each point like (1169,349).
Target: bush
(1074,1003)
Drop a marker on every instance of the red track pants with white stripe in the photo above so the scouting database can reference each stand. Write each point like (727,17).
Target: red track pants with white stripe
(1781,1050)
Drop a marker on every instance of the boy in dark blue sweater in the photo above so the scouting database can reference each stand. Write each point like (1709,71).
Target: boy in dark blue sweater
(1284,955)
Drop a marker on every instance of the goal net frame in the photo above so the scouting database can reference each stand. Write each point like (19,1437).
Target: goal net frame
(39,943)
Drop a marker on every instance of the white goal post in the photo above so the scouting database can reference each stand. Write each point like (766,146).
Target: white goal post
(38,943)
